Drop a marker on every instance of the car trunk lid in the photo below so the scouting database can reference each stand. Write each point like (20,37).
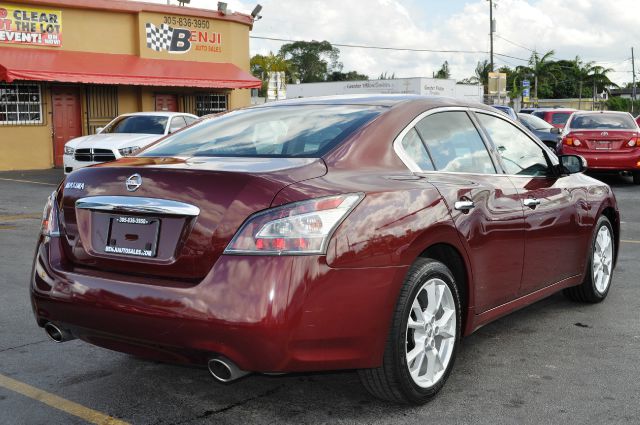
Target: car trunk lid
(178,221)
(605,140)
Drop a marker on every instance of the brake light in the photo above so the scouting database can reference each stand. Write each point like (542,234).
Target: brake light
(298,228)
(633,142)
(50,226)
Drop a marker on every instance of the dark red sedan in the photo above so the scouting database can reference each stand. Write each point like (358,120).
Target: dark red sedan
(366,233)
(609,141)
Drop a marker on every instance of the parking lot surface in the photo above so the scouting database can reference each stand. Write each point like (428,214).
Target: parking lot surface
(553,362)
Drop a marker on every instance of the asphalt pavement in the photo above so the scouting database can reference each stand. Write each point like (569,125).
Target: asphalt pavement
(554,362)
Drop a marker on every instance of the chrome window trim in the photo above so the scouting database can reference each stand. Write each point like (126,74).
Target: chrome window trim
(134,204)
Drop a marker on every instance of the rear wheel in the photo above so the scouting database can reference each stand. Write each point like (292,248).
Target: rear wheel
(423,340)
(597,281)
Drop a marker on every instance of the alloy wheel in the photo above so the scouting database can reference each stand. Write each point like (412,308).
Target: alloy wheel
(431,333)
(602,259)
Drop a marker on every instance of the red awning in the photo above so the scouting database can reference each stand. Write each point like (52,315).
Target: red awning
(98,68)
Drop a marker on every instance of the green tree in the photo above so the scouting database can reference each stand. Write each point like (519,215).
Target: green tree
(543,70)
(346,76)
(312,61)
(443,72)
(482,74)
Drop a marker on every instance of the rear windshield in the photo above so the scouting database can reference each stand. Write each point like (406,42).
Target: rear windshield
(277,131)
(560,117)
(609,121)
(534,122)
(138,124)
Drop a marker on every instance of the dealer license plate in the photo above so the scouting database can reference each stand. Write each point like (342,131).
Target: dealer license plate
(133,236)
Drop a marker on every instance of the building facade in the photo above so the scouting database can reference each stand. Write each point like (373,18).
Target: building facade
(416,85)
(68,67)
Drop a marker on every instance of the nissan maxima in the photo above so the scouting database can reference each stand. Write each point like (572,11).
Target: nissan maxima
(367,233)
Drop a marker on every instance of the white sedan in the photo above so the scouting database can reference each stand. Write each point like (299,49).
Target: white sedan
(122,137)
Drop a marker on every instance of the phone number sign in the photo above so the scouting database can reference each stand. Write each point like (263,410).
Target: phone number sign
(27,25)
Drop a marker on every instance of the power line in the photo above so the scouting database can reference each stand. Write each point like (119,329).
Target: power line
(409,49)
(361,46)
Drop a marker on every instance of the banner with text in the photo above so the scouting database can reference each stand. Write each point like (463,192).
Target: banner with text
(29,25)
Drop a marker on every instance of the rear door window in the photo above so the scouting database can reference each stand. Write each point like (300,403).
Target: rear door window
(455,144)
(520,155)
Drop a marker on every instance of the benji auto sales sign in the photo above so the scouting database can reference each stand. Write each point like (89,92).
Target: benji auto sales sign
(179,35)
(28,25)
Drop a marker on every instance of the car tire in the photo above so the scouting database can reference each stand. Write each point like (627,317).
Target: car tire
(426,280)
(636,177)
(601,258)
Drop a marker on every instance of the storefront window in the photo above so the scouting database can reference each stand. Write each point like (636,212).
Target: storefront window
(20,104)
(210,103)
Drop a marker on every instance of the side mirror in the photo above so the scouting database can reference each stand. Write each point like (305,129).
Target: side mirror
(556,130)
(99,130)
(572,164)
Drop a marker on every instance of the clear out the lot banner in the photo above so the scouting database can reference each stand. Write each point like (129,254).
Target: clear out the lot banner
(28,25)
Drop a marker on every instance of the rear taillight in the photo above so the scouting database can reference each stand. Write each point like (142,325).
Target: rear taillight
(572,141)
(294,229)
(50,226)
(633,142)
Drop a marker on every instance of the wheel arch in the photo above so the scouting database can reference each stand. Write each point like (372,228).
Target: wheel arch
(453,258)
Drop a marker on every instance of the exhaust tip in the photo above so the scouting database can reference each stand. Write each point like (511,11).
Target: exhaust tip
(220,370)
(224,370)
(56,334)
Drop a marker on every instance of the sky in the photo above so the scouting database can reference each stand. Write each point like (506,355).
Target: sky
(602,31)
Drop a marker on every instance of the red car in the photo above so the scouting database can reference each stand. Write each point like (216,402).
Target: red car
(556,117)
(366,233)
(609,141)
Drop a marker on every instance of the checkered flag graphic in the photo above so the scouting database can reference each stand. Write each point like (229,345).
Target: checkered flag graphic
(159,38)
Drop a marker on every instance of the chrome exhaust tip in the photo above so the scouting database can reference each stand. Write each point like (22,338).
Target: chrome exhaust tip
(224,370)
(57,334)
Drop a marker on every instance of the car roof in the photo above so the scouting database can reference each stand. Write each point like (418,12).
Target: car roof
(385,100)
(157,114)
(601,112)
(555,110)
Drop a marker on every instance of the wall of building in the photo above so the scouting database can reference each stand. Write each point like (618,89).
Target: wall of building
(26,143)
(121,30)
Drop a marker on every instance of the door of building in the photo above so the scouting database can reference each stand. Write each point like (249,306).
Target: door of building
(66,119)
(167,102)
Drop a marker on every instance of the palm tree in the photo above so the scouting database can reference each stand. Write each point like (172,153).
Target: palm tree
(482,74)
(583,70)
(542,68)
(600,80)
(262,66)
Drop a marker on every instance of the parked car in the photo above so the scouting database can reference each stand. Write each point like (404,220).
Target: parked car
(349,232)
(555,117)
(526,110)
(122,137)
(508,110)
(544,131)
(609,141)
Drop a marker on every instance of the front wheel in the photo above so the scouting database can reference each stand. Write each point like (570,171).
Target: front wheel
(424,337)
(597,281)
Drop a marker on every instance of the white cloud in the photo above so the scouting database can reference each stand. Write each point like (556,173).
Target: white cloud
(600,30)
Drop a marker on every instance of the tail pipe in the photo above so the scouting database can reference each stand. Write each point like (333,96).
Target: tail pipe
(224,370)
(58,334)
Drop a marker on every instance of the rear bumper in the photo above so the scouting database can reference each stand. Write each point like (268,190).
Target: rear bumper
(267,314)
(609,161)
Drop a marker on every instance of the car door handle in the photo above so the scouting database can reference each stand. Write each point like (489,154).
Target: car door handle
(464,205)
(531,202)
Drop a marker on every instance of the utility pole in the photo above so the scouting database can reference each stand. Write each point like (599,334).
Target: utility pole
(491,30)
(633,79)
